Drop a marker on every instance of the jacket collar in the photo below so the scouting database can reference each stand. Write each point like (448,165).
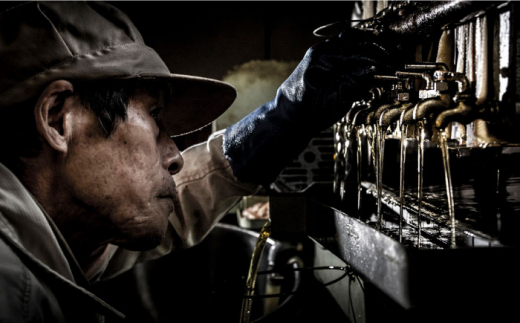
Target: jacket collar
(22,219)
(26,227)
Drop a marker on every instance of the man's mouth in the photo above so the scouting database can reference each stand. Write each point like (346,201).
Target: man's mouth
(167,196)
(170,194)
(169,202)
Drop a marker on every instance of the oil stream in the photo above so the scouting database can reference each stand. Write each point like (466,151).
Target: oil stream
(359,160)
(380,131)
(420,177)
(404,133)
(247,303)
(449,186)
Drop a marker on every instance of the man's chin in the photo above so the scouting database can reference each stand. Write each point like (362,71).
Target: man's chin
(144,241)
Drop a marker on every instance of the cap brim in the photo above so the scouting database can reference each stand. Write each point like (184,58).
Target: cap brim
(194,102)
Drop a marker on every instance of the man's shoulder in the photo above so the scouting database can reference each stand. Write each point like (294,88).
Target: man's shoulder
(11,266)
(24,297)
(14,282)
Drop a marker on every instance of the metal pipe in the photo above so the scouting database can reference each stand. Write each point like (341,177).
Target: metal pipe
(381,5)
(471,108)
(481,55)
(425,18)
(427,66)
(481,131)
(465,111)
(461,49)
(445,49)
(412,19)
(386,77)
(470,53)
(368,9)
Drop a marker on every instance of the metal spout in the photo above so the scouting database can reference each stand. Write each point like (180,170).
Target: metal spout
(425,108)
(407,114)
(373,116)
(465,111)
(392,113)
(359,106)
(360,118)
(369,119)
(382,108)
(356,107)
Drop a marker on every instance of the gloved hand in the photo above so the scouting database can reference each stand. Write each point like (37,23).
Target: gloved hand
(332,75)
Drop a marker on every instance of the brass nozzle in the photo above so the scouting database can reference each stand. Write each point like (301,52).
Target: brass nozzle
(392,113)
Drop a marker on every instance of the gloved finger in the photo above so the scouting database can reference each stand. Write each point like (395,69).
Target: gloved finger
(350,37)
(385,39)
(366,43)
(335,101)
(341,88)
(331,68)
(334,59)
(339,59)
(340,48)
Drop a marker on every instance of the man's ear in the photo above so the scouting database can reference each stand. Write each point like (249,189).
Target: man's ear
(52,113)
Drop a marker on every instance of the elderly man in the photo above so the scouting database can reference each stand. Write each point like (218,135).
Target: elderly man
(92,183)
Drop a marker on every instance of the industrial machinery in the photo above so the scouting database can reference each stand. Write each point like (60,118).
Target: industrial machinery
(426,195)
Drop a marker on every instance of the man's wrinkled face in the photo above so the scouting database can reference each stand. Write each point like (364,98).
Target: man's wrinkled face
(124,181)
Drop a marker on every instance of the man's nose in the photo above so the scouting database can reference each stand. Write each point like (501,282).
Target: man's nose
(172,158)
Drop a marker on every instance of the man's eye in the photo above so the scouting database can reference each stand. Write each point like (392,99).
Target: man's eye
(155,113)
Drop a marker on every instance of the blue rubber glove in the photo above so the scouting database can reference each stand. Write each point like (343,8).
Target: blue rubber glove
(332,75)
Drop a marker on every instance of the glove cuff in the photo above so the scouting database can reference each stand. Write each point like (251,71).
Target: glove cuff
(260,146)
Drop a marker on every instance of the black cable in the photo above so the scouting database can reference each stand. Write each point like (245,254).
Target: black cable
(345,269)
(350,299)
(360,284)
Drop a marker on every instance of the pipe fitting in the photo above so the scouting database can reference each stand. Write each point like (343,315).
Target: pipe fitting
(436,66)
(425,76)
